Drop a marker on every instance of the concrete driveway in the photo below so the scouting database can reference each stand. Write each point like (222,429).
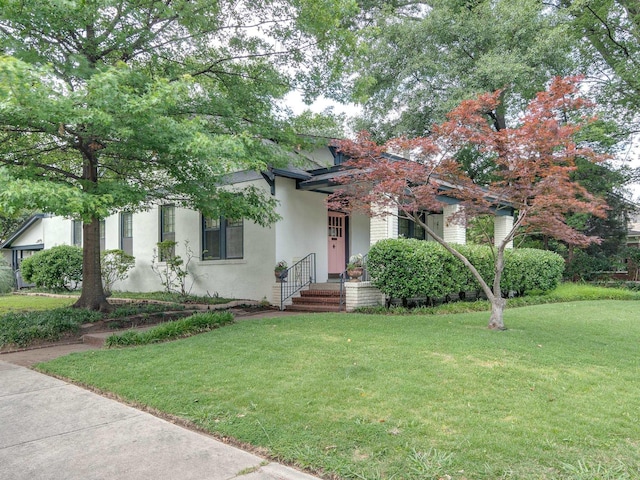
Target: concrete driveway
(50,429)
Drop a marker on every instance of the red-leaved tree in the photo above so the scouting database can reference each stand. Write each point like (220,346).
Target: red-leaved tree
(532,170)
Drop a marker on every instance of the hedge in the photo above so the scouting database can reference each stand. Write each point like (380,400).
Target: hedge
(408,268)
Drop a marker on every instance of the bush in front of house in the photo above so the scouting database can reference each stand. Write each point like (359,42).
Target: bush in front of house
(408,268)
(115,265)
(197,323)
(57,268)
(530,269)
(7,280)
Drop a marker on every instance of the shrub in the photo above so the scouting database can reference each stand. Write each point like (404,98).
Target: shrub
(407,268)
(58,268)
(24,328)
(197,323)
(7,280)
(115,265)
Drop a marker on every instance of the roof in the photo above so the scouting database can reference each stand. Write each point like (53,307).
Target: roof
(25,226)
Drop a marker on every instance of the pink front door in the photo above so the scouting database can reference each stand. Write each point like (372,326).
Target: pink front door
(336,232)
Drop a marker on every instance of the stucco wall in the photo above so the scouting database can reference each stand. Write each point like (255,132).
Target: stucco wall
(32,236)
(248,278)
(303,228)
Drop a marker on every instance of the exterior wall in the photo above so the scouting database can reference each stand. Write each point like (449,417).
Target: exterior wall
(303,228)
(34,235)
(453,232)
(502,226)
(359,237)
(382,227)
(250,277)
(57,231)
(362,294)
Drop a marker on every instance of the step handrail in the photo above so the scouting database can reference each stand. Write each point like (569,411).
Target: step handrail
(296,277)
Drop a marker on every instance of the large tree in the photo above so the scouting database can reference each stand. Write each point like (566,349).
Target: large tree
(115,104)
(612,50)
(535,161)
(418,59)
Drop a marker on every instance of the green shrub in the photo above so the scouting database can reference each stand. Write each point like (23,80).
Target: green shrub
(197,323)
(57,268)
(139,308)
(407,268)
(7,280)
(24,328)
(115,265)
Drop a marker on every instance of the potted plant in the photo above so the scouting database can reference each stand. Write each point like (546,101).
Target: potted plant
(280,271)
(354,267)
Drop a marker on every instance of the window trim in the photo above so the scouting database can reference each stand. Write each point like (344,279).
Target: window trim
(223,227)
(76,233)
(167,235)
(123,238)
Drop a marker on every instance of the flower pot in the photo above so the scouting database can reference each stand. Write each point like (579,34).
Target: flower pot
(355,273)
(281,275)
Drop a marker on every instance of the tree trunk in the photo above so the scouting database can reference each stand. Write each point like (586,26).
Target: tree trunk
(92,296)
(496,321)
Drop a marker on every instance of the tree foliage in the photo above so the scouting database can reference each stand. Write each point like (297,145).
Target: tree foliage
(417,60)
(111,104)
(534,163)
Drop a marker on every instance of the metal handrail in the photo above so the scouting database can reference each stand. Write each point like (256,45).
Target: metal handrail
(344,275)
(296,277)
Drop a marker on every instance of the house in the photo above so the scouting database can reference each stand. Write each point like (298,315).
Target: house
(236,258)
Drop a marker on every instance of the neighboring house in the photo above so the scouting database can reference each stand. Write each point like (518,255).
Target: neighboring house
(236,258)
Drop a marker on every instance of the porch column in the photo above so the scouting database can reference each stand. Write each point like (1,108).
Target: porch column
(453,231)
(383,226)
(502,226)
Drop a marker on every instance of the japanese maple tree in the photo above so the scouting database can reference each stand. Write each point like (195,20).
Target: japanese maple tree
(532,161)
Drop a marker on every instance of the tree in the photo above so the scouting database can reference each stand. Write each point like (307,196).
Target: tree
(11,219)
(612,50)
(112,104)
(418,59)
(534,160)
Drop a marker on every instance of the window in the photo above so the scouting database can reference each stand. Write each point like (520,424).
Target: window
(76,234)
(409,229)
(167,229)
(126,232)
(222,238)
(102,235)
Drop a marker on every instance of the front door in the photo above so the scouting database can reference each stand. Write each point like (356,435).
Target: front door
(337,234)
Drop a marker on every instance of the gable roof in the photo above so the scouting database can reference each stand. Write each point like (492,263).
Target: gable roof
(25,226)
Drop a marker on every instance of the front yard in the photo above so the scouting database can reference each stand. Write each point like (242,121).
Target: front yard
(405,397)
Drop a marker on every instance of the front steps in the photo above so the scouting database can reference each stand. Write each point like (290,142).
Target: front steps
(321,297)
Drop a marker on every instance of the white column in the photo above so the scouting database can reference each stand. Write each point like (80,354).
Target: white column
(383,226)
(453,231)
(502,226)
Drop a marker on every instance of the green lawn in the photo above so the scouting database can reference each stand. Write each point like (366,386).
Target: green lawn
(407,397)
(27,303)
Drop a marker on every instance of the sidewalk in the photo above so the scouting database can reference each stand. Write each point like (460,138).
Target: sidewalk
(54,430)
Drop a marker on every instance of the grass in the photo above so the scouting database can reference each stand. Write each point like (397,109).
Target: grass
(196,323)
(25,320)
(406,397)
(24,303)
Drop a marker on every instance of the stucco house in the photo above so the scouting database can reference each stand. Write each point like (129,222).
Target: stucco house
(236,259)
